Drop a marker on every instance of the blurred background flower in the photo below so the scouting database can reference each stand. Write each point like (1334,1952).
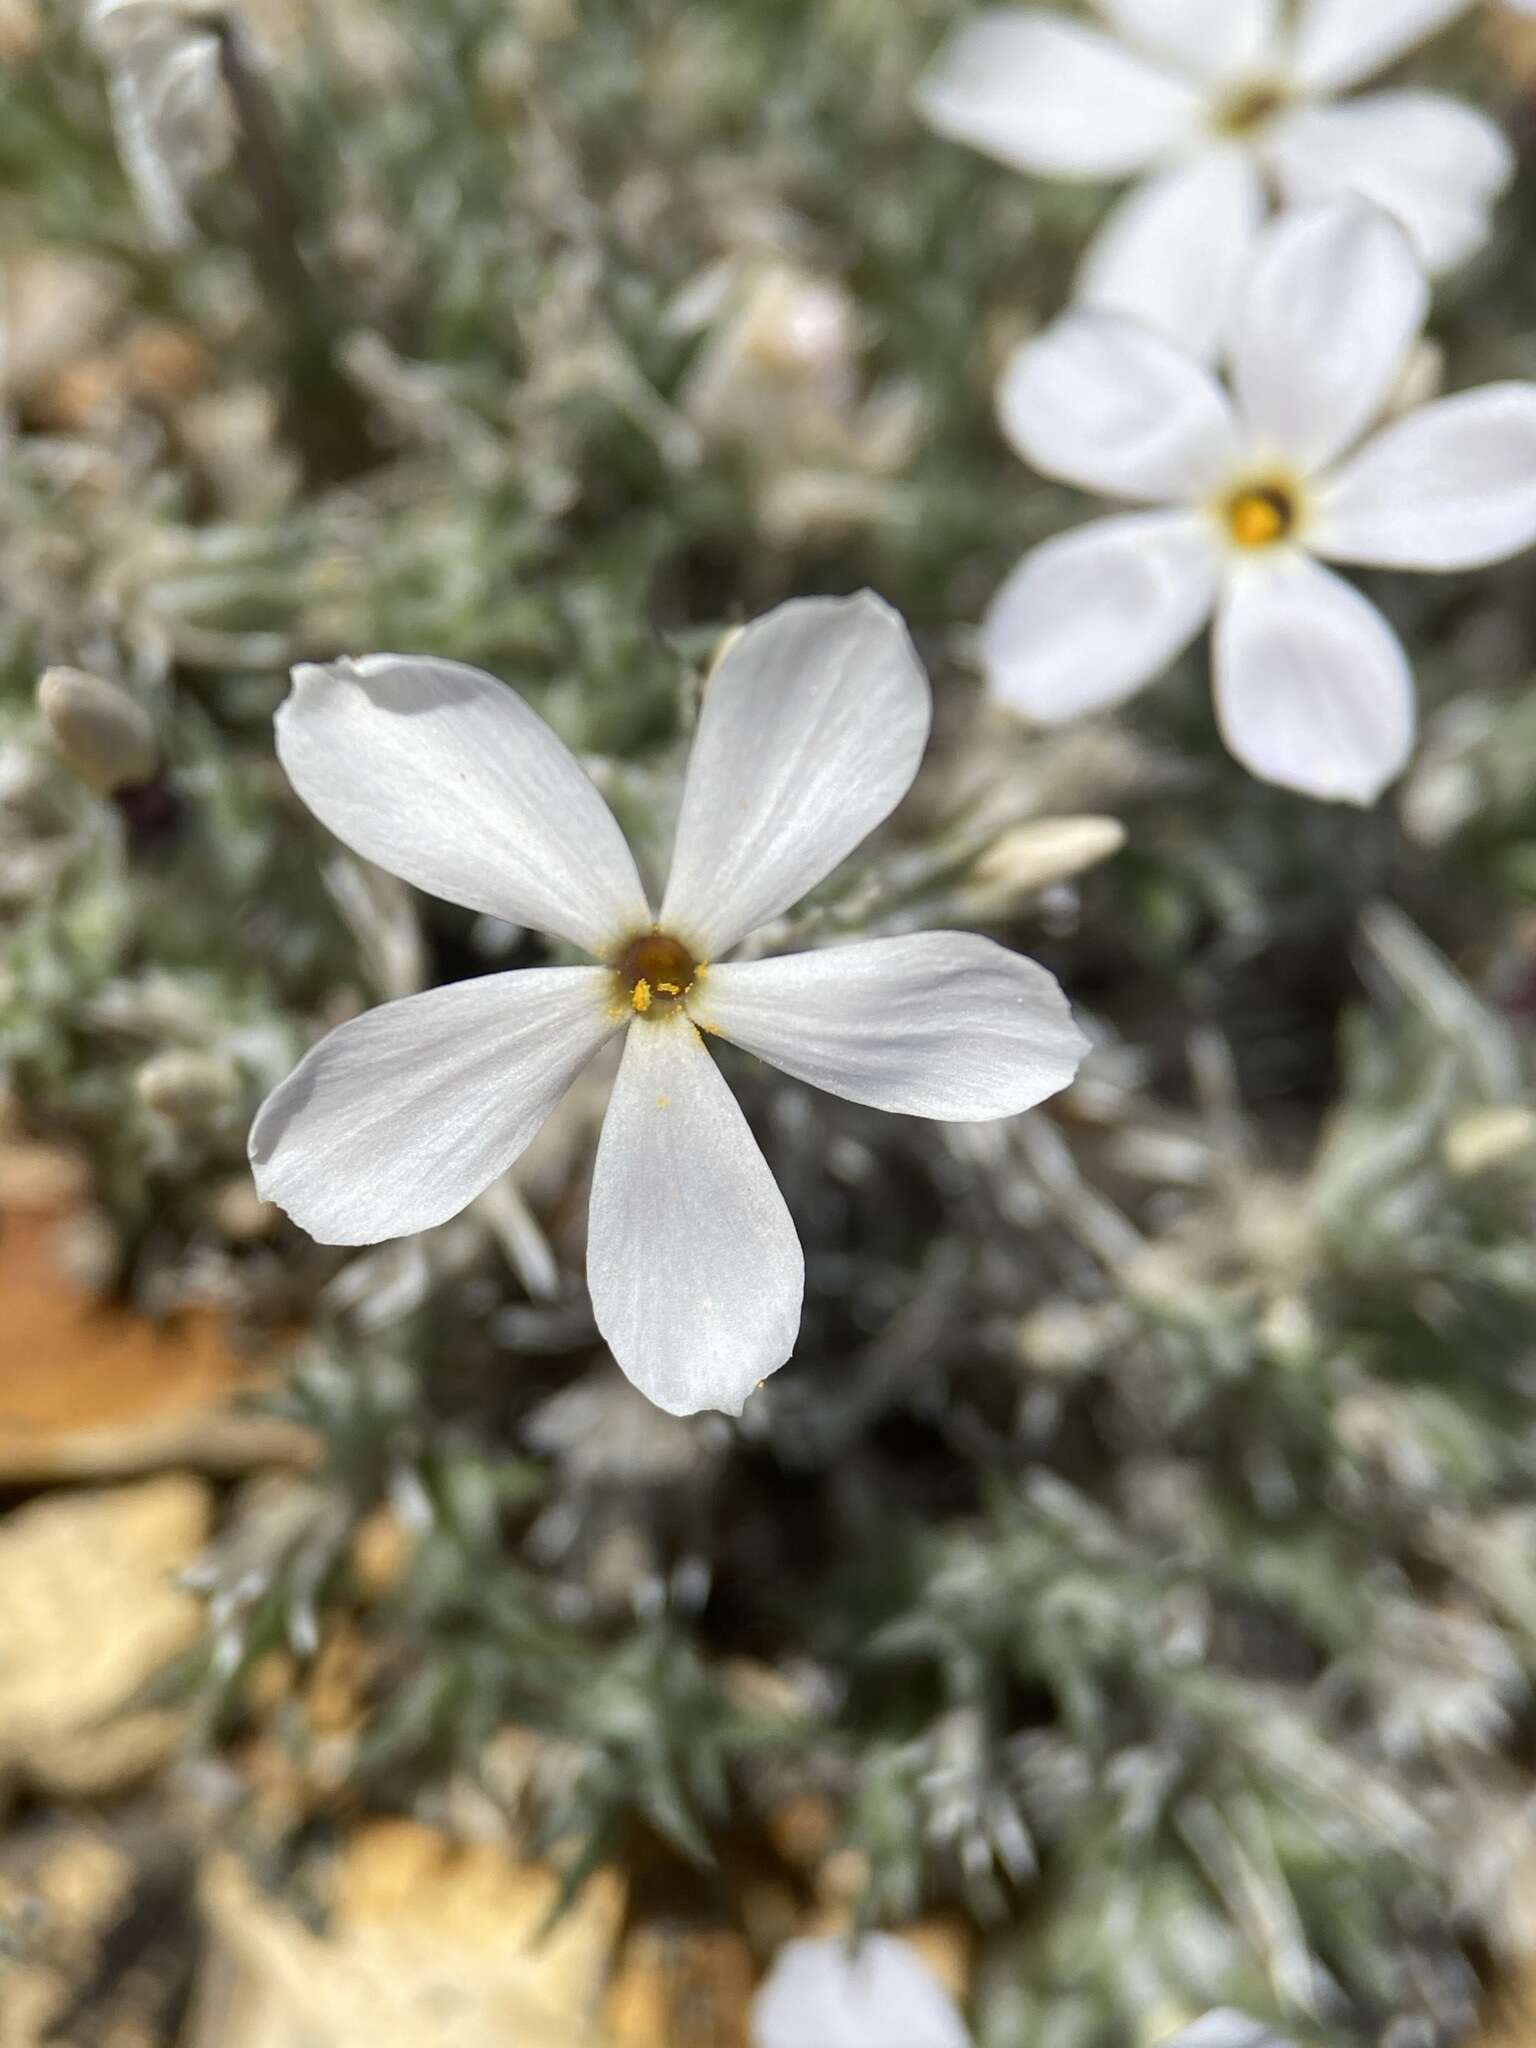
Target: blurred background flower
(1221,103)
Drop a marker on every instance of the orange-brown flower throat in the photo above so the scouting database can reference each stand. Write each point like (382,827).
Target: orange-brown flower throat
(1261,516)
(1250,107)
(655,971)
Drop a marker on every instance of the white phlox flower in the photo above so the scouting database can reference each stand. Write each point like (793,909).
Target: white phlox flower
(821,1994)
(1313,688)
(811,731)
(1213,105)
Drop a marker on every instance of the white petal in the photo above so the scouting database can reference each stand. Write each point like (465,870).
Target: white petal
(1173,251)
(818,1995)
(1045,94)
(1226,2029)
(1090,616)
(1103,402)
(1313,689)
(812,730)
(445,777)
(396,1120)
(940,1024)
(1325,322)
(694,1265)
(1212,38)
(1434,164)
(1340,42)
(1452,486)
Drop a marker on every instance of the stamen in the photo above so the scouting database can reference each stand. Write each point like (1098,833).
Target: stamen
(655,972)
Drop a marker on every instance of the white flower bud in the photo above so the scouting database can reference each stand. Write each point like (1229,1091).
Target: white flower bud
(1027,858)
(779,373)
(1485,1138)
(101,732)
(172,117)
(188,1088)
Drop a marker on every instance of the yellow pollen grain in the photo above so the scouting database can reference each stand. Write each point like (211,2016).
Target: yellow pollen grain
(640,996)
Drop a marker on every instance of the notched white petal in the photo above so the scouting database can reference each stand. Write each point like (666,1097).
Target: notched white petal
(398,1119)
(819,1994)
(1451,486)
(1048,95)
(938,1024)
(1313,689)
(1435,165)
(812,729)
(1339,43)
(1210,39)
(1325,322)
(1089,617)
(445,777)
(1173,251)
(695,1269)
(1104,402)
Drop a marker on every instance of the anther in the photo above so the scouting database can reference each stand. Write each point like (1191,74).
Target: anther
(655,971)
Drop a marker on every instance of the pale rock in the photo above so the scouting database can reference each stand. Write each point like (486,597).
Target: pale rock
(90,1612)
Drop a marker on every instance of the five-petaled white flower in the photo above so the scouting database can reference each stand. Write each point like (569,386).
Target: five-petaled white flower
(811,731)
(821,1994)
(1219,101)
(1313,689)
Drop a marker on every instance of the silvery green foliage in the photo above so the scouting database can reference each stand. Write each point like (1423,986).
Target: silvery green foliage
(1135,1550)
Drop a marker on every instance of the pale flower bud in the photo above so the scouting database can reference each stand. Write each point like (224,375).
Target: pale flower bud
(171,114)
(101,732)
(188,1088)
(1027,858)
(1486,1138)
(779,373)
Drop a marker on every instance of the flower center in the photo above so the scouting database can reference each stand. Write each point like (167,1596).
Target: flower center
(655,971)
(1260,515)
(1247,109)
